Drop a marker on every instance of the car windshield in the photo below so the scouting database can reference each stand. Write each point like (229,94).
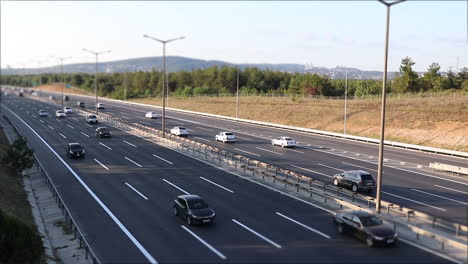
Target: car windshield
(42,111)
(92,116)
(288,139)
(229,134)
(197,204)
(75,147)
(370,221)
(103,129)
(366,177)
(182,128)
(59,111)
(67,108)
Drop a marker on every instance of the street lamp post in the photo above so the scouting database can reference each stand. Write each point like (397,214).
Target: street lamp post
(237,94)
(61,59)
(345,101)
(382,117)
(164,85)
(95,74)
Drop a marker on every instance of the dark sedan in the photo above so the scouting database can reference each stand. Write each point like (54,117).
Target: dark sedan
(75,150)
(367,227)
(193,209)
(103,132)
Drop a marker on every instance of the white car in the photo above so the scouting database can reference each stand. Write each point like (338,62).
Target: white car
(151,115)
(283,142)
(91,119)
(43,113)
(225,137)
(60,113)
(100,106)
(68,110)
(179,131)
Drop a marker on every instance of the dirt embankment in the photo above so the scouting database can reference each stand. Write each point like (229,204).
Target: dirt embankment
(58,88)
(431,121)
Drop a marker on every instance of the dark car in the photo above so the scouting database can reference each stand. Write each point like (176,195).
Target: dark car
(367,227)
(20,94)
(355,180)
(194,209)
(66,98)
(75,150)
(80,104)
(103,132)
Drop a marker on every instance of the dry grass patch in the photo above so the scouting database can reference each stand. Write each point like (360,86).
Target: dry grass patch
(58,88)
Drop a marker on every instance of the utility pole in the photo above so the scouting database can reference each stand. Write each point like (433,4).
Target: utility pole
(96,72)
(237,95)
(382,117)
(345,101)
(61,59)
(125,90)
(164,85)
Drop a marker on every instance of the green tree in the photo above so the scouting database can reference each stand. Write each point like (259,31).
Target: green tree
(295,86)
(407,79)
(18,156)
(432,79)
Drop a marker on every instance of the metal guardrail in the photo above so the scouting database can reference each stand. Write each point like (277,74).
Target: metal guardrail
(89,253)
(446,167)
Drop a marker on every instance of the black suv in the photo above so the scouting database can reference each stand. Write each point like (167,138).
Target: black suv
(194,209)
(75,150)
(367,227)
(80,104)
(355,180)
(103,132)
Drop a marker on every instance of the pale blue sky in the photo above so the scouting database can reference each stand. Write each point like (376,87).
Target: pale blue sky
(322,33)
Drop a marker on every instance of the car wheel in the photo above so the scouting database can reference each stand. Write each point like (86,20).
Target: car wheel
(282,145)
(189,220)
(340,228)
(272,143)
(335,182)
(175,211)
(369,241)
(354,188)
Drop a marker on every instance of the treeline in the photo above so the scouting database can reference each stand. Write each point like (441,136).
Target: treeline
(223,80)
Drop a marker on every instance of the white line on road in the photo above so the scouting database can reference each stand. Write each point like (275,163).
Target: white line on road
(125,117)
(443,197)
(75,119)
(206,129)
(257,234)
(69,126)
(33,116)
(84,134)
(303,225)
(129,143)
(401,197)
(133,162)
(62,135)
(101,164)
(163,159)
(359,166)
(140,117)
(293,150)
(41,121)
(105,146)
(146,123)
(217,184)
(269,151)
(312,171)
(58,120)
(330,167)
(242,138)
(51,127)
(247,152)
(202,139)
(131,187)
(173,185)
(451,189)
(205,243)
(89,125)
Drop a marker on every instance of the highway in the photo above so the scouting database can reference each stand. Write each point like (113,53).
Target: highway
(136,182)
(404,182)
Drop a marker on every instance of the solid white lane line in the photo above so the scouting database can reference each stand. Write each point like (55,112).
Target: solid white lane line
(105,146)
(202,139)
(89,125)
(84,134)
(443,197)
(204,243)
(62,135)
(125,117)
(177,187)
(359,166)
(163,159)
(216,184)
(401,197)
(41,121)
(305,226)
(133,162)
(243,138)
(75,119)
(330,167)
(247,152)
(59,120)
(451,189)
(206,129)
(131,187)
(69,126)
(269,151)
(293,150)
(140,117)
(312,171)
(33,116)
(51,127)
(104,166)
(257,234)
(129,143)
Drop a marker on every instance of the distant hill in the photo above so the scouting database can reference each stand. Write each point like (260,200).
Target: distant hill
(176,63)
